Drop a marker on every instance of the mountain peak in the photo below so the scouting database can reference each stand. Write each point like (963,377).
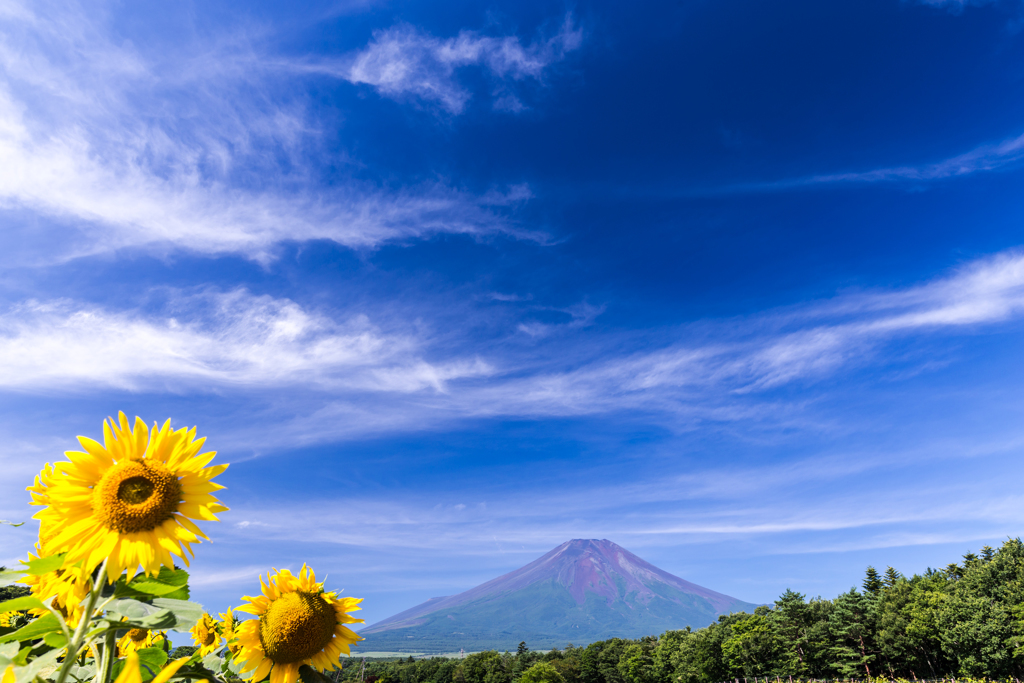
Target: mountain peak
(584,581)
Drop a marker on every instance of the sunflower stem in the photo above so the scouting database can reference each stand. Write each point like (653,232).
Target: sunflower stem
(109,645)
(75,646)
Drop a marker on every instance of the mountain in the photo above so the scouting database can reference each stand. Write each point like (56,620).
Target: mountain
(582,591)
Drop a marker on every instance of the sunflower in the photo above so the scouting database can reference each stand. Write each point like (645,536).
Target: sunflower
(130,500)
(298,624)
(227,626)
(205,636)
(140,638)
(68,586)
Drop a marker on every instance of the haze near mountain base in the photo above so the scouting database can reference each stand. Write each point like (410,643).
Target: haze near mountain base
(582,591)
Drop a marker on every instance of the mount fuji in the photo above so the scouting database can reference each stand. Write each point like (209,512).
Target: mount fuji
(582,591)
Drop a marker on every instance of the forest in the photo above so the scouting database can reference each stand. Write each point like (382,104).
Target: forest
(964,620)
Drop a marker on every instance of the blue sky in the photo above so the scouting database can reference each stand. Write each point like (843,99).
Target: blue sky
(736,285)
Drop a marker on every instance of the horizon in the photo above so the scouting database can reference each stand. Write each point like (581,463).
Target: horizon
(740,287)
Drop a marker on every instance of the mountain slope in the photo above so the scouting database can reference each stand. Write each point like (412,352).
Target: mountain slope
(582,591)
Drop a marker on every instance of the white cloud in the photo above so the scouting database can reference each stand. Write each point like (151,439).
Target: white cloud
(184,150)
(354,377)
(1006,154)
(956,6)
(403,62)
(227,340)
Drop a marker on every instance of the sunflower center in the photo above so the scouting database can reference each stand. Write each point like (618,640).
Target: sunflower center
(296,626)
(136,495)
(138,634)
(135,490)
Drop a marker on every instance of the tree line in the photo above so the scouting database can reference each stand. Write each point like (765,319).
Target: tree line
(965,620)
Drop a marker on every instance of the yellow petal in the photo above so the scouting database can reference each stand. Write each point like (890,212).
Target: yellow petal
(130,673)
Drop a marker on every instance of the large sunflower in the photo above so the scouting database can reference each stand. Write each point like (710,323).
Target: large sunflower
(130,500)
(205,636)
(298,624)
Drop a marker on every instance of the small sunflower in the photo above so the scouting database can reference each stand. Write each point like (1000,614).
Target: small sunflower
(205,636)
(298,624)
(139,639)
(68,586)
(227,626)
(130,500)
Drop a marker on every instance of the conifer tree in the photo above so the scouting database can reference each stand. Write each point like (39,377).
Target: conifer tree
(891,577)
(872,581)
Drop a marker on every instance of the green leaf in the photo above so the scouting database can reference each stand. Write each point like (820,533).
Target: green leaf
(133,609)
(153,659)
(310,675)
(84,673)
(213,663)
(40,627)
(20,604)
(4,521)
(9,651)
(140,614)
(44,663)
(55,640)
(167,583)
(10,576)
(43,565)
(235,665)
(187,613)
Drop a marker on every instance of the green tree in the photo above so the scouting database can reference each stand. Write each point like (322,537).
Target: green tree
(980,625)
(852,627)
(802,629)
(599,662)
(637,661)
(872,581)
(541,672)
(891,577)
(754,648)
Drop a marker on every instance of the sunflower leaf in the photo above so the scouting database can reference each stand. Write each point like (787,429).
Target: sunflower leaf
(41,626)
(10,576)
(133,609)
(140,615)
(235,665)
(213,663)
(23,603)
(153,659)
(187,613)
(167,582)
(55,639)
(43,565)
(310,675)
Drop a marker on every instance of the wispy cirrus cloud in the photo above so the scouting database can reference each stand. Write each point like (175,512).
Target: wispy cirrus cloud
(207,149)
(403,62)
(355,376)
(1005,155)
(223,339)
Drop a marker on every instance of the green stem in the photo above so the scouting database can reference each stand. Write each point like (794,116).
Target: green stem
(109,646)
(75,646)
